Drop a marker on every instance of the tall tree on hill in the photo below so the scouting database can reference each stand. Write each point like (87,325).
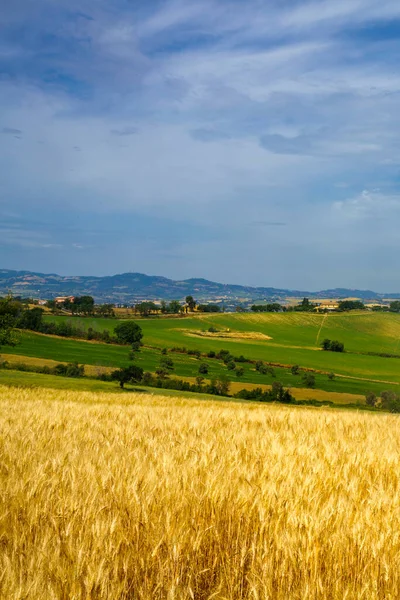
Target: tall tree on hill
(191,302)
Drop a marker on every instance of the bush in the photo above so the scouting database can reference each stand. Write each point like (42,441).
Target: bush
(370,399)
(167,363)
(331,376)
(230,365)
(213,330)
(295,370)
(129,332)
(127,375)
(203,368)
(211,354)
(332,345)
(239,371)
(309,380)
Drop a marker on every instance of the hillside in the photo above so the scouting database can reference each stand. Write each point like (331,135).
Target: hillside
(134,287)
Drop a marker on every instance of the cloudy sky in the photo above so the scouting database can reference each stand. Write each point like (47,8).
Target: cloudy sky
(247,142)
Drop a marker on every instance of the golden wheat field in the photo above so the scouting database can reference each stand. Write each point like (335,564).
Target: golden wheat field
(144,497)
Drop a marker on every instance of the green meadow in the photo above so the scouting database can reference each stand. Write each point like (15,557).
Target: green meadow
(283,339)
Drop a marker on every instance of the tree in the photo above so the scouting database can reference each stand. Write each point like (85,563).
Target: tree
(351,305)
(127,375)
(395,306)
(295,370)
(231,365)
(203,368)
(83,305)
(370,399)
(239,371)
(191,303)
(146,308)
(9,312)
(309,380)
(331,376)
(129,332)
(174,307)
(167,363)
(31,319)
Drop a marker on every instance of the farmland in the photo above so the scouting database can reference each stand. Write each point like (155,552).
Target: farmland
(280,339)
(126,495)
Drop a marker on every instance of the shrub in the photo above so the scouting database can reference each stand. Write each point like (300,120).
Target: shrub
(332,345)
(309,380)
(295,370)
(167,363)
(230,365)
(203,368)
(212,330)
(239,371)
(370,399)
(211,354)
(129,332)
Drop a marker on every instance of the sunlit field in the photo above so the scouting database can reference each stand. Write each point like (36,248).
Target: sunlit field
(107,496)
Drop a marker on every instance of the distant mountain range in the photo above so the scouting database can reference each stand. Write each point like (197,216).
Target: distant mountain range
(129,288)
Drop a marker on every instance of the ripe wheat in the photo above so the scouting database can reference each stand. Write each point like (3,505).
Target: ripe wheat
(149,498)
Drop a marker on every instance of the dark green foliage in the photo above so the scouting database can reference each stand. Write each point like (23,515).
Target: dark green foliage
(203,368)
(212,330)
(195,353)
(10,310)
(274,307)
(211,354)
(129,332)
(191,303)
(395,306)
(239,372)
(31,319)
(351,305)
(309,380)
(370,399)
(331,376)
(332,345)
(276,394)
(295,370)
(208,308)
(231,365)
(146,308)
(129,374)
(390,401)
(82,305)
(304,306)
(167,363)
(174,307)
(164,351)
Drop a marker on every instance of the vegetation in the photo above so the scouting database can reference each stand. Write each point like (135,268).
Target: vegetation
(105,494)
(332,345)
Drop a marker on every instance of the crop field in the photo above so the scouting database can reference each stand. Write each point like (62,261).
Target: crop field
(97,356)
(283,339)
(132,496)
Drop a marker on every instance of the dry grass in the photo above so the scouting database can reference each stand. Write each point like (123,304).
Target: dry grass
(228,335)
(164,498)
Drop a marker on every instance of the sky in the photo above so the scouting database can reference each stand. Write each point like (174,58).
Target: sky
(247,142)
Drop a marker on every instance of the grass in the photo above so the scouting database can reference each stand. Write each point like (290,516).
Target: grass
(295,339)
(152,498)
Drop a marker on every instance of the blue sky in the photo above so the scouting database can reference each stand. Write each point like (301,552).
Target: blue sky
(247,142)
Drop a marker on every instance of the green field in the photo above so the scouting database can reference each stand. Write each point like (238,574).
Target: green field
(294,339)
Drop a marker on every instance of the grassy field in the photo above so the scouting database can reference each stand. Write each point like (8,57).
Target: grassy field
(150,497)
(98,355)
